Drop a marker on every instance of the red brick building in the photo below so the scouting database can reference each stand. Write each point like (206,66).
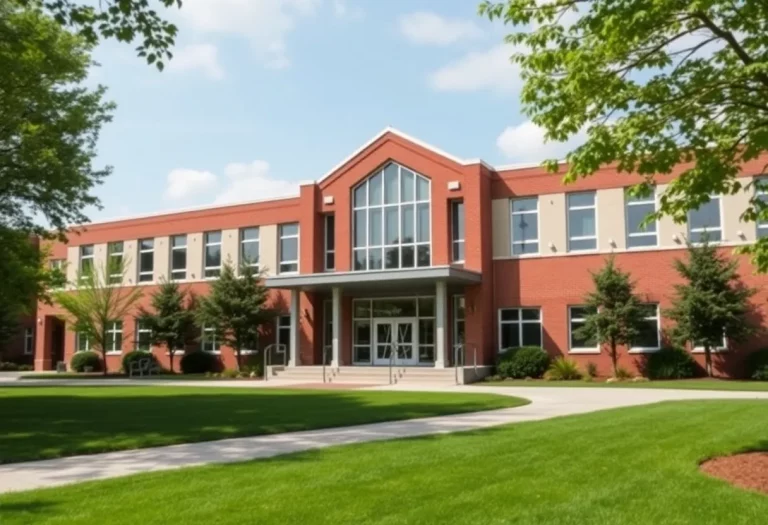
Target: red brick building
(404,244)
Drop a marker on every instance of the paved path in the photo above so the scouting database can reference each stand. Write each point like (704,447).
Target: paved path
(545,403)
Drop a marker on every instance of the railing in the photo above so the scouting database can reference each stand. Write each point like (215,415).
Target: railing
(268,350)
(460,359)
(392,357)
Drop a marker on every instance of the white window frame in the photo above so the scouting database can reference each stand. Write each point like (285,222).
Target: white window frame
(327,232)
(512,215)
(216,346)
(142,251)
(280,238)
(656,317)
(761,228)
(568,209)
(78,337)
(91,257)
(520,321)
(112,330)
(458,238)
(718,350)
(257,241)
(578,349)
(115,278)
(628,202)
(278,339)
(142,330)
(29,341)
(207,244)
(186,254)
(719,229)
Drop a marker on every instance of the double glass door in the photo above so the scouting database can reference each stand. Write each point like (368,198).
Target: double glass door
(398,336)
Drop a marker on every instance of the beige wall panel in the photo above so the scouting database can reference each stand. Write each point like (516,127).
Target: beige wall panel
(162,258)
(732,208)
(73,263)
(100,261)
(229,252)
(611,220)
(194,256)
(268,249)
(501,223)
(130,256)
(671,235)
(552,224)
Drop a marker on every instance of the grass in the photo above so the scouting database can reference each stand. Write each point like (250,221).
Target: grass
(679,384)
(99,375)
(630,466)
(46,422)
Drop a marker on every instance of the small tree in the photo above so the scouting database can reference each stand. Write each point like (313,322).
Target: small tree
(96,303)
(235,308)
(712,304)
(172,317)
(615,315)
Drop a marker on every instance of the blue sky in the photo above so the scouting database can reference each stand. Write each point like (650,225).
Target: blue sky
(263,94)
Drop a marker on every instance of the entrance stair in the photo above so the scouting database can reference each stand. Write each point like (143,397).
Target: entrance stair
(366,375)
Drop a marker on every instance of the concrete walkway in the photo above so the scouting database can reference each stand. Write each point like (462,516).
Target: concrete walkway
(545,403)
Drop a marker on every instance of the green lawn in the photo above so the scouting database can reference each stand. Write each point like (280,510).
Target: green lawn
(681,384)
(620,467)
(46,422)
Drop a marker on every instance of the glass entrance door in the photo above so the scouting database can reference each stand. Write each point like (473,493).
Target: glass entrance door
(397,335)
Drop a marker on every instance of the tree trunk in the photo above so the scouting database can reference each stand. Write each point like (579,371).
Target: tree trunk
(614,359)
(708,360)
(170,354)
(237,352)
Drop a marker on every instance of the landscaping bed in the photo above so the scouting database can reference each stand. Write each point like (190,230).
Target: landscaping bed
(748,470)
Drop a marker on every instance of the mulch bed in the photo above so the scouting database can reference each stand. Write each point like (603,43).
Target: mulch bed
(747,471)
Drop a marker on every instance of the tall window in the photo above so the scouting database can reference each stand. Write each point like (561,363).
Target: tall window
(284,333)
(212,254)
(29,340)
(249,248)
(577,318)
(146,260)
(114,341)
(361,332)
(762,195)
(582,230)
(706,219)
(329,241)
(143,336)
(457,231)
(637,209)
(391,220)
(208,342)
(86,261)
(459,326)
(649,337)
(327,331)
(179,257)
(519,327)
(289,248)
(525,226)
(115,251)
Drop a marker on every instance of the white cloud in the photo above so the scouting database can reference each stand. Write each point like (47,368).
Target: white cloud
(428,28)
(202,57)
(525,143)
(264,23)
(342,10)
(487,70)
(251,182)
(185,183)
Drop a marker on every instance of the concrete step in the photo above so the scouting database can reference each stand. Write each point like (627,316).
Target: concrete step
(368,375)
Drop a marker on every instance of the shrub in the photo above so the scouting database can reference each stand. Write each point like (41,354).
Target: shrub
(8,367)
(26,368)
(198,362)
(230,373)
(138,355)
(82,360)
(622,374)
(757,365)
(591,370)
(526,361)
(254,364)
(563,369)
(670,363)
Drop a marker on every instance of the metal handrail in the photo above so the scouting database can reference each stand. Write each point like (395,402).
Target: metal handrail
(392,357)
(280,348)
(460,358)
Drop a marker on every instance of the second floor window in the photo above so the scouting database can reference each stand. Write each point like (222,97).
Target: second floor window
(115,250)
(146,260)
(86,261)
(762,195)
(329,240)
(289,248)
(457,231)
(706,221)
(212,254)
(637,209)
(249,248)
(525,226)
(582,227)
(179,257)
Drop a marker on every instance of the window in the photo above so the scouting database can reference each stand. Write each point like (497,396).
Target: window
(578,317)
(525,226)
(284,333)
(762,196)
(58,268)
(698,348)
(289,248)
(459,326)
(706,220)
(519,327)
(115,251)
(86,261)
(179,257)
(146,260)
(391,220)
(114,341)
(143,336)
(327,331)
(649,337)
(637,209)
(212,242)
(361,332)
(457,231)
(582,232)
(83,342)
(330,243)
(249,248)
(208,342)
(29,340)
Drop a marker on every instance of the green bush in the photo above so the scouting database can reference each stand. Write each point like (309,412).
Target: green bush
(138,355)
(591,370)
(254,364)
(82,360)
(526,361)
(757,365)
(563,369)
(8,367)
(230,373)
(670,363)
(199,362)
(622,374)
